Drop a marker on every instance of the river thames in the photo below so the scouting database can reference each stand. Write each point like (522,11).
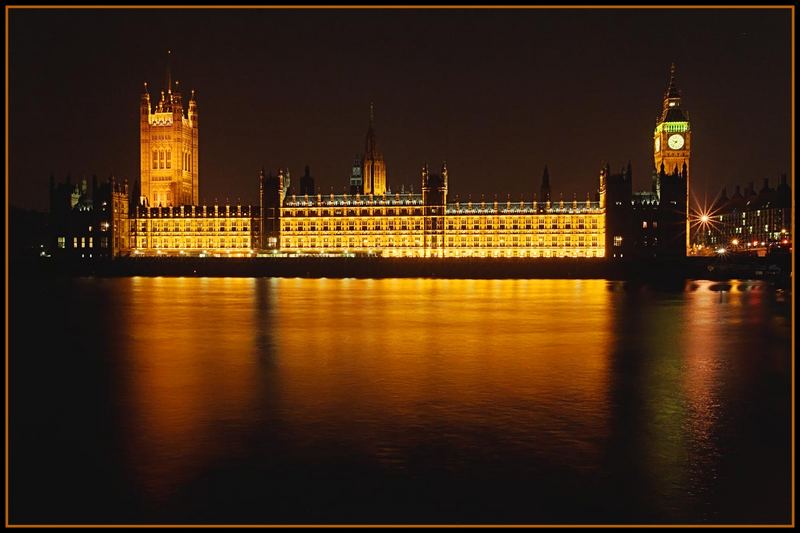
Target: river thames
(267,400)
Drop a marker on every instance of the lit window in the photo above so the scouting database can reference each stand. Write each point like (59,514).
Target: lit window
(62,242)
(169,159)
(617,240)
(155,159)
(644,224)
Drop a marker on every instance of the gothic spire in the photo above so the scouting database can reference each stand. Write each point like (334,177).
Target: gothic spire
(371,147)
(671,111)
(545,188)
(672,88)
(169,73)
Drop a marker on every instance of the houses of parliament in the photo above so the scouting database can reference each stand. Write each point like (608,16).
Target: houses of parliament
(159,214)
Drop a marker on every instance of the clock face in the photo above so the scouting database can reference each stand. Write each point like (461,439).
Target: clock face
(675,141)
(658,144)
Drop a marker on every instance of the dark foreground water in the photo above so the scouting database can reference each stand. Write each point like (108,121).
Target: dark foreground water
(243,400)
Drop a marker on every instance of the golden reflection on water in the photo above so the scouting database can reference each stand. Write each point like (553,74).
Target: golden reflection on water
(378,366)
(383,361)
(191,374)
(584,376)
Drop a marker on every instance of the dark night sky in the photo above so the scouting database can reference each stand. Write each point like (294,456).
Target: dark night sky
(497,93)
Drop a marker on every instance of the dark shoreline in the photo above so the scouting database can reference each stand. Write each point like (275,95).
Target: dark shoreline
(776,268)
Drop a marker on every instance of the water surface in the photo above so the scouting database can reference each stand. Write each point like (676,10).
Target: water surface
(246,400)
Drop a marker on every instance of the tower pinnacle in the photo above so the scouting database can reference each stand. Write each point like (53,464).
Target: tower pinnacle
(169,73)
(370,148)
(672,88)
(671,110)
(373,168)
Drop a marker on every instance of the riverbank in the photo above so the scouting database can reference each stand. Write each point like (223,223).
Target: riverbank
(715,268)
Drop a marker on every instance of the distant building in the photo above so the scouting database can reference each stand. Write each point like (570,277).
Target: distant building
(89,224)
(750,221)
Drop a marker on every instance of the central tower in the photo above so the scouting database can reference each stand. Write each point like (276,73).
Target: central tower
(374,168)
(169,148)
(672,141)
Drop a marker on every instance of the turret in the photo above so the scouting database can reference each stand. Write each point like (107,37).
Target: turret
(270,199)
(434,186)
(193,115)
(545,188)
(307,183)
(144,106)
(601,191)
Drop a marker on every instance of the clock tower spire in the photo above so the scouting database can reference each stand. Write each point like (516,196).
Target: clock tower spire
(672,139)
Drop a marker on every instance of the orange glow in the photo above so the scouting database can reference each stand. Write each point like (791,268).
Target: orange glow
(258,351)
(180,387)
(530,351)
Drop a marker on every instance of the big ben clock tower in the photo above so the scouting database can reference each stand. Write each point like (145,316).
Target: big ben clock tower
(672,139)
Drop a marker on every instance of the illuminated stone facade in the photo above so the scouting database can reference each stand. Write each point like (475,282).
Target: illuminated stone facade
(426,225)
(166,218)
(195,230)
(169,149)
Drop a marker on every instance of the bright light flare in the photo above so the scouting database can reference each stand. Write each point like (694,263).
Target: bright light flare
(702,216)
